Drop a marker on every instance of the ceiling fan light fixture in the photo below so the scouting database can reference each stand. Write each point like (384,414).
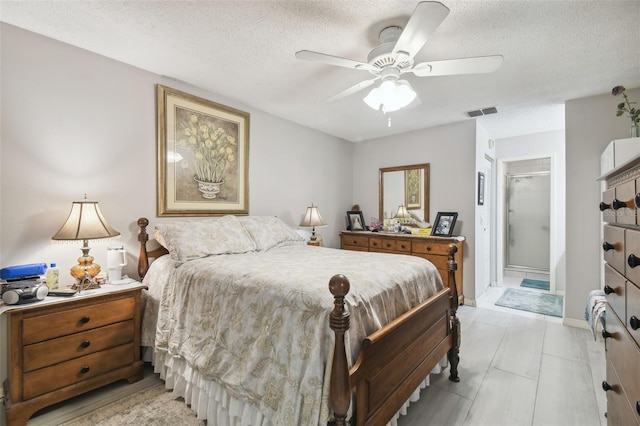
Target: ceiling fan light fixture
(390,96)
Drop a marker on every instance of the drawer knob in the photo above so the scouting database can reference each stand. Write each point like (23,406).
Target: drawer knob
(606,386)
(85,344)
(85,369)
(617,204)
(634,322)
(608,290)
(374,244)
(606,334)
(633,261)
(85,320)
(607,246)
(402,246)
(604,206)
(636,200)
(428,248)
(388,245)
(638,407)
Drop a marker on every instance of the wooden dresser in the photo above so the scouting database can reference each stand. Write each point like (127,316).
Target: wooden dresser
(433,249)
(621,248)
(64,347)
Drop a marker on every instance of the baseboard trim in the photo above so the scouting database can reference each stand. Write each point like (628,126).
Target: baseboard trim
(577,323)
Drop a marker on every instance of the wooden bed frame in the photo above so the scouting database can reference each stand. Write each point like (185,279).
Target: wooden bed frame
(393,361)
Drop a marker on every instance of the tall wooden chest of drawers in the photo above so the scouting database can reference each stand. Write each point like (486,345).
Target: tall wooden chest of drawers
(431,248)
(621,252)
(62,348)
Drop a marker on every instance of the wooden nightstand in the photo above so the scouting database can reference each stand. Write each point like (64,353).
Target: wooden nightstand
(63,347)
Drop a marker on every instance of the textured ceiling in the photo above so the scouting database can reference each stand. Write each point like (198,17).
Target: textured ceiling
(553,51)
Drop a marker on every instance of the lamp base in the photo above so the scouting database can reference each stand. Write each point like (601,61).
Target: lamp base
(84,273)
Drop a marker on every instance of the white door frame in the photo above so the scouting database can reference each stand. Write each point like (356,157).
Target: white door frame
(500,216)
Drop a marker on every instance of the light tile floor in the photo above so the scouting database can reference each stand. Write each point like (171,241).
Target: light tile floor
(517,368)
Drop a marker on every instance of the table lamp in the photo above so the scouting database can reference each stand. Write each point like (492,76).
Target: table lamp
(312,219)
(85,222)
(402,213)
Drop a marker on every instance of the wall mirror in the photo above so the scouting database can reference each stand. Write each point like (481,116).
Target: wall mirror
(406,186)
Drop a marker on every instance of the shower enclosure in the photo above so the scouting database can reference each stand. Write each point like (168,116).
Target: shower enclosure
(527,221)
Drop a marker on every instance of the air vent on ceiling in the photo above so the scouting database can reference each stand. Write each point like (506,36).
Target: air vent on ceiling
(483,111)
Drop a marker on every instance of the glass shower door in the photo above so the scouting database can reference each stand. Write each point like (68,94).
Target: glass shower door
(528,220)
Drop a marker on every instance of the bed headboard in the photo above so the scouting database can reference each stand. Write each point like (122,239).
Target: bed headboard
(145,255)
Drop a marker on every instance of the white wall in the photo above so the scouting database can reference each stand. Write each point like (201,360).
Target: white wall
(539,145)
(76,123)
(451,152)
(590,125)
(484,149)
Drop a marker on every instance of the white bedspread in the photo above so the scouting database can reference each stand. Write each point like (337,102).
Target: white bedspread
(257,323)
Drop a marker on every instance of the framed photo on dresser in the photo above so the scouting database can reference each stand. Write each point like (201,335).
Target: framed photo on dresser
(444,224)
(356,221)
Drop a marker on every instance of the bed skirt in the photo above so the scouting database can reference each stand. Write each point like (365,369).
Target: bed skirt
(211,402)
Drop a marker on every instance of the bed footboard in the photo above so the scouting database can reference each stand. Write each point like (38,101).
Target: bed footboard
(395,359)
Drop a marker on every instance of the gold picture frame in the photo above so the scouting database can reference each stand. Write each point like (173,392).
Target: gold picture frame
(203,156)
(412,189)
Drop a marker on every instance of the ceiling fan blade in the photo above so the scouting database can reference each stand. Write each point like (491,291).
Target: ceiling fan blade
(477,65)
(308,55)
(426,18)
(351,90)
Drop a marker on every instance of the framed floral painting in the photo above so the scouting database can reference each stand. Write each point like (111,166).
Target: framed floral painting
(203,156)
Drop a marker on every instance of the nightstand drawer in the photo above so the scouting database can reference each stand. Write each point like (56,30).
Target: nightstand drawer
(57,324)
(67,373)
(429,247)
(39,355)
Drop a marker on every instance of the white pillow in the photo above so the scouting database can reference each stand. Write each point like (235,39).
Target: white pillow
(269,231)
(197,239)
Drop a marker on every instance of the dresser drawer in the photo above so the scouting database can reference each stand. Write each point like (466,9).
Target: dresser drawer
(43,354)
(619,412)
(57,324)
(617,283)
(430,247)
(623,353)
(608,214)
(351,241)
(613,246)
(625,194)
(390,244)
(632,317)
(45,380)
(632,255)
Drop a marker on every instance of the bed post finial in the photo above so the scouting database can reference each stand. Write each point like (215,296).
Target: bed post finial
(143,237)
(454,353)
(340,387)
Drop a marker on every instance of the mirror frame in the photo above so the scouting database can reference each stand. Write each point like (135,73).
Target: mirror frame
(427,180)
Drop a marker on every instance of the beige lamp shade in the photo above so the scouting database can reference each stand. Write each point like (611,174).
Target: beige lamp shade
(85,222)
(402,213)
(312,219)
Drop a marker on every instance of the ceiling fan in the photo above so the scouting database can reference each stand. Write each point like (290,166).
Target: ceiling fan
(395,56)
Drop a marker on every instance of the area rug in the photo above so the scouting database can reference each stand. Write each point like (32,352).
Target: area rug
(537,284)
(531,301)
(152,406)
